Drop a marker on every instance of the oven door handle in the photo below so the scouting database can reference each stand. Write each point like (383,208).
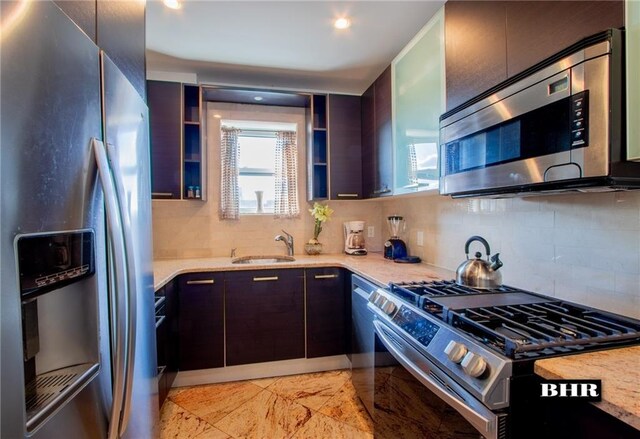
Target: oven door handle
(472,410)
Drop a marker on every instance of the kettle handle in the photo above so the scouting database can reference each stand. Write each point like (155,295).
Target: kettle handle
(479,239)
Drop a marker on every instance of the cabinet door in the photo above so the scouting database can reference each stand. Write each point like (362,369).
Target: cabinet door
(345,149)
(201,324)
(172,352)
(264,316)
(475,52)
(326,312)
(120,32)
(539,29)
(368,142)
(164,100)
(383,134)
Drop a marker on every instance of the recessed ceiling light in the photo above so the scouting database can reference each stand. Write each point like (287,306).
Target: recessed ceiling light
(173,4)
(257,98)
(342,23)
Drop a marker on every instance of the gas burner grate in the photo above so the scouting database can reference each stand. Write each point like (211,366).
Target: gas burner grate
(544,328)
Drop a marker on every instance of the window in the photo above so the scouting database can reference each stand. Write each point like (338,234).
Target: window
(259,169)
(256,170)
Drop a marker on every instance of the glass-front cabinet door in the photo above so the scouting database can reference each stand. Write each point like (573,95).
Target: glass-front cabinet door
(418,83)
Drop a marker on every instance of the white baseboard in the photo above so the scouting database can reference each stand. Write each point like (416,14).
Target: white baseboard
(260,370)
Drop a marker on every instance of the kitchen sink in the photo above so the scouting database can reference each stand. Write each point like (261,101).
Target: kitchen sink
(269,259)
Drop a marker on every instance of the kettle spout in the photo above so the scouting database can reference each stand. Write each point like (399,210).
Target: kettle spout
(496,263)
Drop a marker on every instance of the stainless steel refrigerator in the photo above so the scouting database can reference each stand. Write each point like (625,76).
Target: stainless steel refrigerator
(78,355)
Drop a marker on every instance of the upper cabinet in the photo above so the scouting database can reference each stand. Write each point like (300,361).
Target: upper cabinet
(334,148)
(177,152)
(118,27)
(489,42)
(377,138)
(345,169)
(418,100)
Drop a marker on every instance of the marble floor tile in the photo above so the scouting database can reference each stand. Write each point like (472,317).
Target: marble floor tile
(265,416)
(345,406)
(322,426)
(264,382)
(214,402)
(177,423)
(312,390)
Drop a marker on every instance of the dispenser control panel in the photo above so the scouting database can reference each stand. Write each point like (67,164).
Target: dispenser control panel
(48,261)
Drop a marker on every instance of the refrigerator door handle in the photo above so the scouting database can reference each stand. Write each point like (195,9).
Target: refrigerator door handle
(112,156)
(116,239)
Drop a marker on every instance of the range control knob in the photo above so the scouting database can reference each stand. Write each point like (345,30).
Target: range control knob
(388,308)
(474,365)
(455,351)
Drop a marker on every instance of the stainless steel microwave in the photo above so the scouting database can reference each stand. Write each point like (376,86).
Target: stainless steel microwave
(557,126)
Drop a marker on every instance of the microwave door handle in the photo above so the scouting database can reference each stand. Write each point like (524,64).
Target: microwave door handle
(118,294)
(112,156)
(485,423)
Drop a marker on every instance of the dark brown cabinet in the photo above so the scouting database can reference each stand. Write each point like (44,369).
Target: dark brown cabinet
(118,27)
(345,147)
(377,138)
(164,100)
(166,338)
(538,29)
(264,315)
(475,48)
(488,42)
(327,312)
(201,321)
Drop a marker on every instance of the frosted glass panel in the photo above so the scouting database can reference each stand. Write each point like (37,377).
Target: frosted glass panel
(633,73)
(418,101)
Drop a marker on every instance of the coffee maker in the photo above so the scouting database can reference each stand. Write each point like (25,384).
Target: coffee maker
(354,238)
(395,248)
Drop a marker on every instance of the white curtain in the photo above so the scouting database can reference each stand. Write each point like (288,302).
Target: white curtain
(230,190)
(286,175)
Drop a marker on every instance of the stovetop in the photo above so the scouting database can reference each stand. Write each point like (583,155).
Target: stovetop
(517,323)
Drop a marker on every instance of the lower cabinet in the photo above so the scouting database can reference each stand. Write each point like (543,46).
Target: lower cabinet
(264,315)
(327,319)
(166,338)
(201,321)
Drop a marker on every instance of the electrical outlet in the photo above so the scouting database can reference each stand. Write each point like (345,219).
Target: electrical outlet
(420,238)
(371,232)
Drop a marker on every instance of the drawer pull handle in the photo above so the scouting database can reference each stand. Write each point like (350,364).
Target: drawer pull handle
(265,279)
(162,194)
(348,195)
(201,282)
(325,276)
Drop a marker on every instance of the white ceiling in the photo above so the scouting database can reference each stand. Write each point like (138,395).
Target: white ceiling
(284,44)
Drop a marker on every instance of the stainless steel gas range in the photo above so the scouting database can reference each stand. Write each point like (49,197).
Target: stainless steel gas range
(456,362)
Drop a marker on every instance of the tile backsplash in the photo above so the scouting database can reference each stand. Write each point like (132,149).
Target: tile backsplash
(580,247)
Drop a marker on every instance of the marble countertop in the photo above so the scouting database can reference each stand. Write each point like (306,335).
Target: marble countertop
(619,370)
(372,267)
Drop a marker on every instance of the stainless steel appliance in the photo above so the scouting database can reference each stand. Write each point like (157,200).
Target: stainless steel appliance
(354,238)
(77,312)
(477,273)
(557,126)
(362,341)
(394,247)
(464,358)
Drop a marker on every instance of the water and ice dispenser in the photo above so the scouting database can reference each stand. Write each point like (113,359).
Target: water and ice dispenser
(60,324)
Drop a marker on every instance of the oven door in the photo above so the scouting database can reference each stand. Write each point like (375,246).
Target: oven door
(415,398)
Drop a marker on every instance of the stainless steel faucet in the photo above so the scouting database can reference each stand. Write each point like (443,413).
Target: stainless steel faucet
(288,242)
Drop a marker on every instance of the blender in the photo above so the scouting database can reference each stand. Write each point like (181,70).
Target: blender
(395,248)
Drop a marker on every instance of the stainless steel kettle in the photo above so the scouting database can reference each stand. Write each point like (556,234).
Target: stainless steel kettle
(478,273)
